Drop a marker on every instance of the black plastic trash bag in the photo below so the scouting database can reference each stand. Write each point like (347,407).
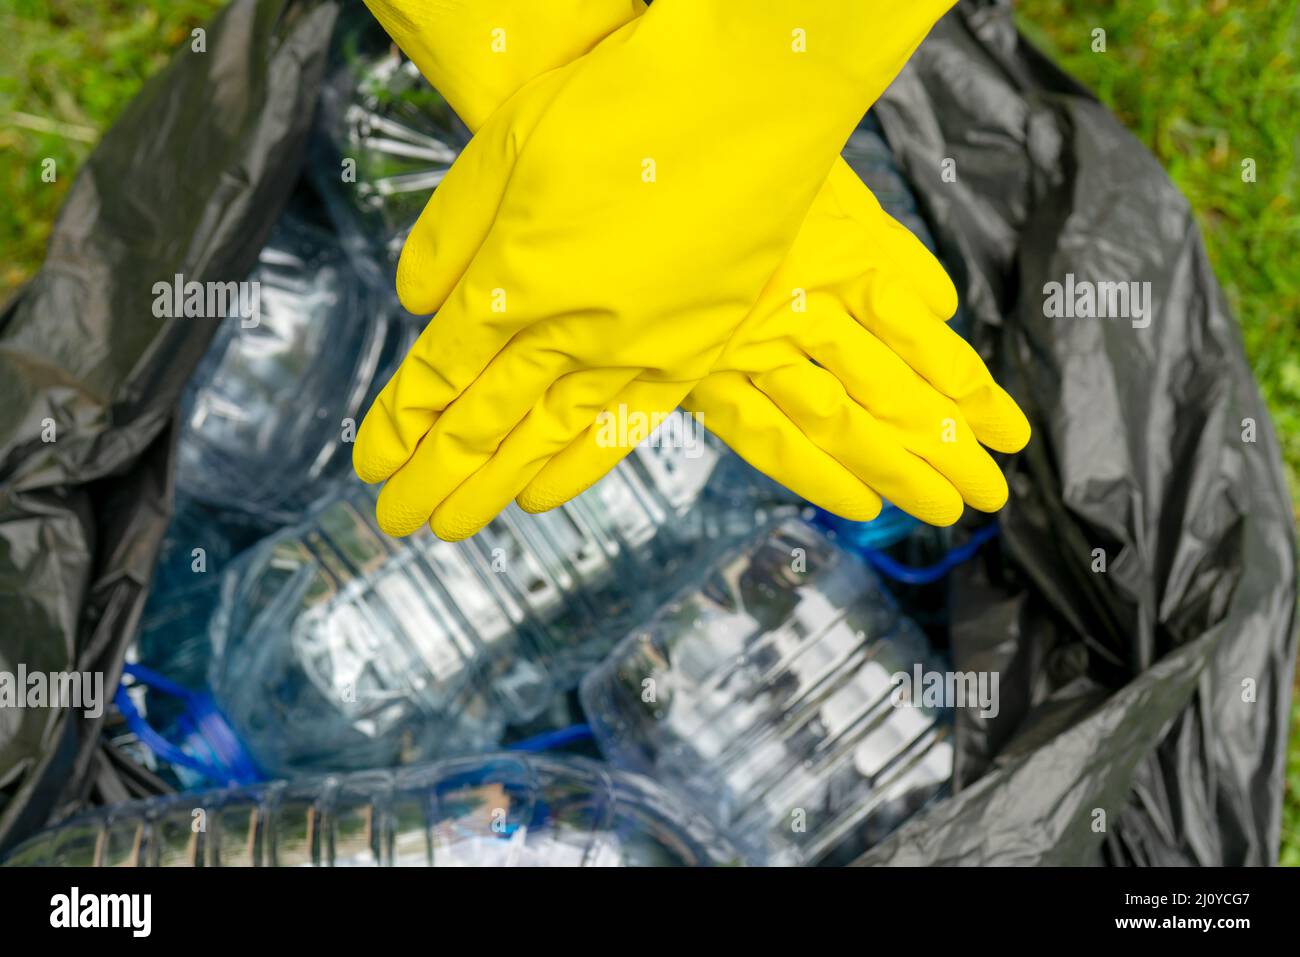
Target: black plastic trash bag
(1139,611)
(190,180)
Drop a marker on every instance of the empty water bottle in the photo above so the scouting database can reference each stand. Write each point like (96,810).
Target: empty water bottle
(198,547)
(384,138)
(268,414)
(766,700)
(338,647)
(499,810)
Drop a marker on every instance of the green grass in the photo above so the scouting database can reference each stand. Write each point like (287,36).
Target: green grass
(1205,85)
(71,66)
(1290,856)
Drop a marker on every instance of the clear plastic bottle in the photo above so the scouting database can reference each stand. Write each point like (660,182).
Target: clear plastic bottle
(265,417)
(765,699)
(196,548)
(380,114)
(337,647)
(173,639)
(502,810)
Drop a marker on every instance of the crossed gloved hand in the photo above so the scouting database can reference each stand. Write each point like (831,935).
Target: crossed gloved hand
(653,212)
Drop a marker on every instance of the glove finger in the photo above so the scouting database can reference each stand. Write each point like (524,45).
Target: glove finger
(566,410)
(923,420)
(734,410)
(458,217)
(386,438)
(916,260)
(457,342)
(467,435)
(817,403)
(589,456)
(870,229)
(898,317)
(453,352)
(447,357)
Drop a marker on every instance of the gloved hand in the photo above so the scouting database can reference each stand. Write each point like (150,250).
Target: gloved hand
(863,379)
(771,399)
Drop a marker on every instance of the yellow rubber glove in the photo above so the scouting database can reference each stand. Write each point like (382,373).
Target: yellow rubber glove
(854,377)
(478,53)
(771,392)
